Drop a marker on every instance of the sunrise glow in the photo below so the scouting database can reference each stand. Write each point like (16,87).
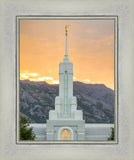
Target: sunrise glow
(90,49)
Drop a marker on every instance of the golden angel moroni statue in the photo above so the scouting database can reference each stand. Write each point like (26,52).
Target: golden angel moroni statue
(66,28)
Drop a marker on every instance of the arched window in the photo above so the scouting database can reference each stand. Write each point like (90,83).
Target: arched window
(65,134)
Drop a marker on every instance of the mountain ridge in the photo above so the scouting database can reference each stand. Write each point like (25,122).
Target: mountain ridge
(95,100)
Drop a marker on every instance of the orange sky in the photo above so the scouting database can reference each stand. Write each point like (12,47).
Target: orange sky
(90,48)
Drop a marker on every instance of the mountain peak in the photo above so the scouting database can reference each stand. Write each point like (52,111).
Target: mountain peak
(96,101)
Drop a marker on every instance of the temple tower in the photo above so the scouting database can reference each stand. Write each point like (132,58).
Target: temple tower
(65,122)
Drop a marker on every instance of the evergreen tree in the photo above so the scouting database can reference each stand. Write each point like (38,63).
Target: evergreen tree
(26,133)
(112,135)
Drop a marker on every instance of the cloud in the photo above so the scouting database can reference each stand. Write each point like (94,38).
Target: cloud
(55,82)
(45,78)
(33,79)
(36,77)
(32,74)
(28,75)
(87,80)
(75,79)
(23,76)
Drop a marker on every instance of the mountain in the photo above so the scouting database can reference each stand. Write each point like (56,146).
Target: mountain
(37,98)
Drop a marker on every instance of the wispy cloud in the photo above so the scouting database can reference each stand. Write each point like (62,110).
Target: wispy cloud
(86,80)
(45,78)
(55,82)
(36,77)
(33,79)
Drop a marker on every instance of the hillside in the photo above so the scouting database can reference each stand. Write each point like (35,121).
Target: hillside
(37,98)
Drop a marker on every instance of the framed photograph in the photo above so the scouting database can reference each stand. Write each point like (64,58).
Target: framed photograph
(78,104)
(66,80)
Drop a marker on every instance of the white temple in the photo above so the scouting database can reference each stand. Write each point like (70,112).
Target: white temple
(65,119)
(66,122)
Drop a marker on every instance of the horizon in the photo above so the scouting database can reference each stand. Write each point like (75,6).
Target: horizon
(73,82)
(90,48)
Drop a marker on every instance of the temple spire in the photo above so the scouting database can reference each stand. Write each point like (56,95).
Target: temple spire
(66,56)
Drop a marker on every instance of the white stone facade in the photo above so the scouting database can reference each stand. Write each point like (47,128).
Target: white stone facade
(76,128)
(93,132)
(65,116)
(59,113)
(65,121)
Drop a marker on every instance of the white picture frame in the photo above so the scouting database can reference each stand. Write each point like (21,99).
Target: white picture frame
(9,149)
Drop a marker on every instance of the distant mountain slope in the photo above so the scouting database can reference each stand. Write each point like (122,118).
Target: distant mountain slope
(37,98)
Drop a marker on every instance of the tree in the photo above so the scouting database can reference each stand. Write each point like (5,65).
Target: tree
(26,132)
(112,134)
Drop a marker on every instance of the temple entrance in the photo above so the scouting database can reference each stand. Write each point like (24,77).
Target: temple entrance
(65,134)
